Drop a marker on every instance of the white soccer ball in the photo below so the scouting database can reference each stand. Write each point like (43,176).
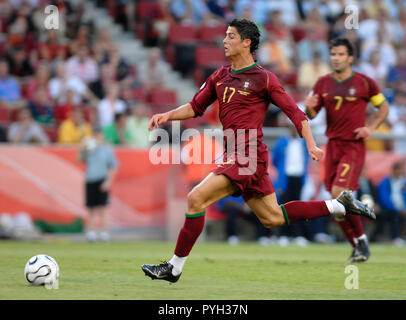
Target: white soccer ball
(41,270)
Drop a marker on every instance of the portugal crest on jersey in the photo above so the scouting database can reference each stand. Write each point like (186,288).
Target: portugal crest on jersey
(246,84)
(352,91)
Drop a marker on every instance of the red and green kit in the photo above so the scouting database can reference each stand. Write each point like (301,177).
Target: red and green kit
(346,104)
(244,97)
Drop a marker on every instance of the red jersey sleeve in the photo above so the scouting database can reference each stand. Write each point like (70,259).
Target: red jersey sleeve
(205,96)
(374,93)
(280,98)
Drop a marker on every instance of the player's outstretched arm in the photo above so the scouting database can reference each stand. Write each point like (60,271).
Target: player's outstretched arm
(315,152)
(181,113)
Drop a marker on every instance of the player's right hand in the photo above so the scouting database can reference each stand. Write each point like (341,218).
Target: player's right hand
(311,101)
(316,153)
(157,120)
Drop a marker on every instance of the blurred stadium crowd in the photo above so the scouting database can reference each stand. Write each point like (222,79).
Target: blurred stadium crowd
(48,73)
(56,85)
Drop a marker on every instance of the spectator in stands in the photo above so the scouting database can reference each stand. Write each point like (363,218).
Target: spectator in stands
(127,93)
(82,65)
(375,7)
(152,72)
(103,44)
(6,10)
(392,198)
(375,68)
(401,21)
(107,77)
(397,119)
(19,63)
(309,72)
(315,25)
(193,12)
(119,64)
(74,128)
(368,27)
(40,79)
(52,46)
(220,9)
(116,132)
(397,74)
(281,32)
(101,168)
(64,82)
(63,110)
(272,56)
(20,27)
(42,108)
(110,105)
(311,44)
(10,92)
(137,126)
(276,25)
(259,9)
(26,130)
(383,46)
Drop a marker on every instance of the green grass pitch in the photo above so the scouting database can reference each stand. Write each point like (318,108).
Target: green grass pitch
(214,271)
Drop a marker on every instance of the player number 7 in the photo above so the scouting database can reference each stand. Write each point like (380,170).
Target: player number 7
(339,102)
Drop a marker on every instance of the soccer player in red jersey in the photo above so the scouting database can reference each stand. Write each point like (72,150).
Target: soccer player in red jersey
(345,94)
(244,90)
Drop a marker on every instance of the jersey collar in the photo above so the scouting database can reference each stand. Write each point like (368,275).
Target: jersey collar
(244,69)
(342,81)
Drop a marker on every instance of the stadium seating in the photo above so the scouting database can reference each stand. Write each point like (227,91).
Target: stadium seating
(207,59)
(140,94)
(13,114)
(52,132)
(212,34)
(163,97)
(179,33)
(209,56)
(4,116)
(90,113)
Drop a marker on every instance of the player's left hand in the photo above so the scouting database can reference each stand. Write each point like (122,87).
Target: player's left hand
(105,186)
(363,133)
(316,153)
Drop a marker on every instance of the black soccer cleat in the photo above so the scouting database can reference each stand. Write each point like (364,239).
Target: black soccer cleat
(354,206)
(360,253)
(353,255)
(162,271)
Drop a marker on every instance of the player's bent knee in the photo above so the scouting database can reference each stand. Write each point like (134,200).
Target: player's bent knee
(269,222)
(273,219)
(195,201)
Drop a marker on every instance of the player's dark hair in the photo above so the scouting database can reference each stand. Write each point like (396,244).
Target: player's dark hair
(247,30)
(342,42)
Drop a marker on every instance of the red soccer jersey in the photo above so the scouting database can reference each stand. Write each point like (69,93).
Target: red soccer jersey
(244,97)
(346,102)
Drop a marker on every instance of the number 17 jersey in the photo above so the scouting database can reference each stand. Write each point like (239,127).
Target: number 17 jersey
(244,97)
